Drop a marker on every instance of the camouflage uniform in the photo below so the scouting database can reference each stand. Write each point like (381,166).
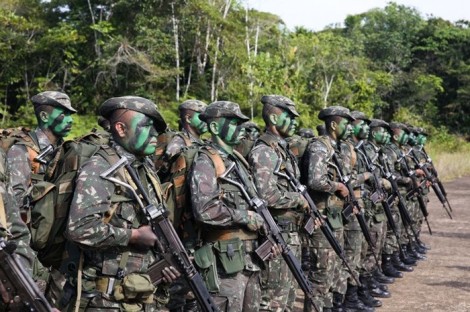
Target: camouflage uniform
(107,256)
(223,213)
(15,229)
(252,133)
(271,152)
(322,182)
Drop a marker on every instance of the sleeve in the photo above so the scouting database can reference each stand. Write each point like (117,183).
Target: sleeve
(206,197)
(91,200)
(263,160)
(19,169)
(317,171)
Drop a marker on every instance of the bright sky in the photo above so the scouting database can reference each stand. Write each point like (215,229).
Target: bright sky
(315,14)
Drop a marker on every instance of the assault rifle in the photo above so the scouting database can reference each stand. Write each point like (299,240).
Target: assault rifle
(405,216)
(354,203)
(415,187)
(436,177)
(274,235)
(435,183)
(18,290)
(168,242)
(315,214)
(380,194)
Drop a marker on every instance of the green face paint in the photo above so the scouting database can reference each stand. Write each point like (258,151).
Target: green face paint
(59,122)
(403,138)
(412,139)
(287,125)
(141,138)
(343,129)
(230,130)
(198,124)
(380,135)
(361,130)
(421,139)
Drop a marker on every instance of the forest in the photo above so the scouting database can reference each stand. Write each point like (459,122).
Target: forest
(390,63)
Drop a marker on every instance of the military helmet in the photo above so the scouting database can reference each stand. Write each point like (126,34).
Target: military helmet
(53,98)
(375,123)
(335,111)
(134,103)
(221,109)
(280,101)
(398,125)
(194,105)
(360,116)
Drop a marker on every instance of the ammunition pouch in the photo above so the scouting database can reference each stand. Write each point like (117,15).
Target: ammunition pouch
(134,288)
(205,260)
(334,217)
(287,225)
(231,255)
(379,217)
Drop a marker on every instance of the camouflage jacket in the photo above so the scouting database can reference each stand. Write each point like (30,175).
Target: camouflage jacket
(15,229)
(218,204)
(20,167)
(178,142)
(391,156)
(269,152)
(104,243)
(318,173)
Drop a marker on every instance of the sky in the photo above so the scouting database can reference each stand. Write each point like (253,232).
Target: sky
(316,15)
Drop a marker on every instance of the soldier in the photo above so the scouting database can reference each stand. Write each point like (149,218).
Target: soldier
(299,142)
(329,195)
(53,112)
(106,221)
(287,206)
(377,217)
(252,133)
(354,240)
(229,226)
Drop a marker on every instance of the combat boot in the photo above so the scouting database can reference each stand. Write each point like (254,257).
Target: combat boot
(423,245)
(338,299)
(382,286)
(352,303)
(405,257)
(400,266)
(375,289)
(415,252)
(382,278)
(388,269)
(364,294)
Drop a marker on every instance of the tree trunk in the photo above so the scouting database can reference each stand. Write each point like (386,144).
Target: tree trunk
(177,55)
(97,47)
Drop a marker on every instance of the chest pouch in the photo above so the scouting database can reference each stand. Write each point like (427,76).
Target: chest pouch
(135,287)
(335,218)
(231,255)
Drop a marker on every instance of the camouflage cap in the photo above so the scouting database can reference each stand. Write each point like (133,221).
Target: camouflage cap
(306,133)
(282,102)
(134,103)
(220,109)
(375,123)
(53,98)
(398,125)
(194,105)
(251,125)
(360,115)
(335,111)
(420,130)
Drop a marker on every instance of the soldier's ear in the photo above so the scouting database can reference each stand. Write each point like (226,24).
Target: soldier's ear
(273,118)
(44,116)
(214,127)
(120,129)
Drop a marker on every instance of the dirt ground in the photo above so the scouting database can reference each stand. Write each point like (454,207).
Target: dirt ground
(442,282)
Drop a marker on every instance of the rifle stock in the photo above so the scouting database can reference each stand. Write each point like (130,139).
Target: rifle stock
(19,291)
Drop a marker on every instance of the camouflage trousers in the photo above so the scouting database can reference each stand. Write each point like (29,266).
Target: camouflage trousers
(278,285)
(240,291)
(353,240)
(407,233)
(322,266)
(391,243)
(378,232)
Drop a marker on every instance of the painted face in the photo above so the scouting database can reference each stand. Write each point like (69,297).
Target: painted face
(59,122)
(380,135)
(403,137)
(421,139)
(412,139)
(198,124)
(141,137)
(361,129)
(231,132)
(287,125)
(252,133)
(343,129)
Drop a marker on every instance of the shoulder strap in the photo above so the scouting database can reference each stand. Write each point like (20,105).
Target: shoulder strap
(266,139)
(216,159)
(187,141)
(3,214)
(353,154)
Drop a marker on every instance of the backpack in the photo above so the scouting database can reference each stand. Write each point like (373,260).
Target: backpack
(23,136)
(51,197)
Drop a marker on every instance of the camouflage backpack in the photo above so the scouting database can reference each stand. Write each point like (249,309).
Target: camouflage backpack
(24,136)
(51,197)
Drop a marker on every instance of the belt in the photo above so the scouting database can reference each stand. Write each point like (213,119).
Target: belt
(216,235)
